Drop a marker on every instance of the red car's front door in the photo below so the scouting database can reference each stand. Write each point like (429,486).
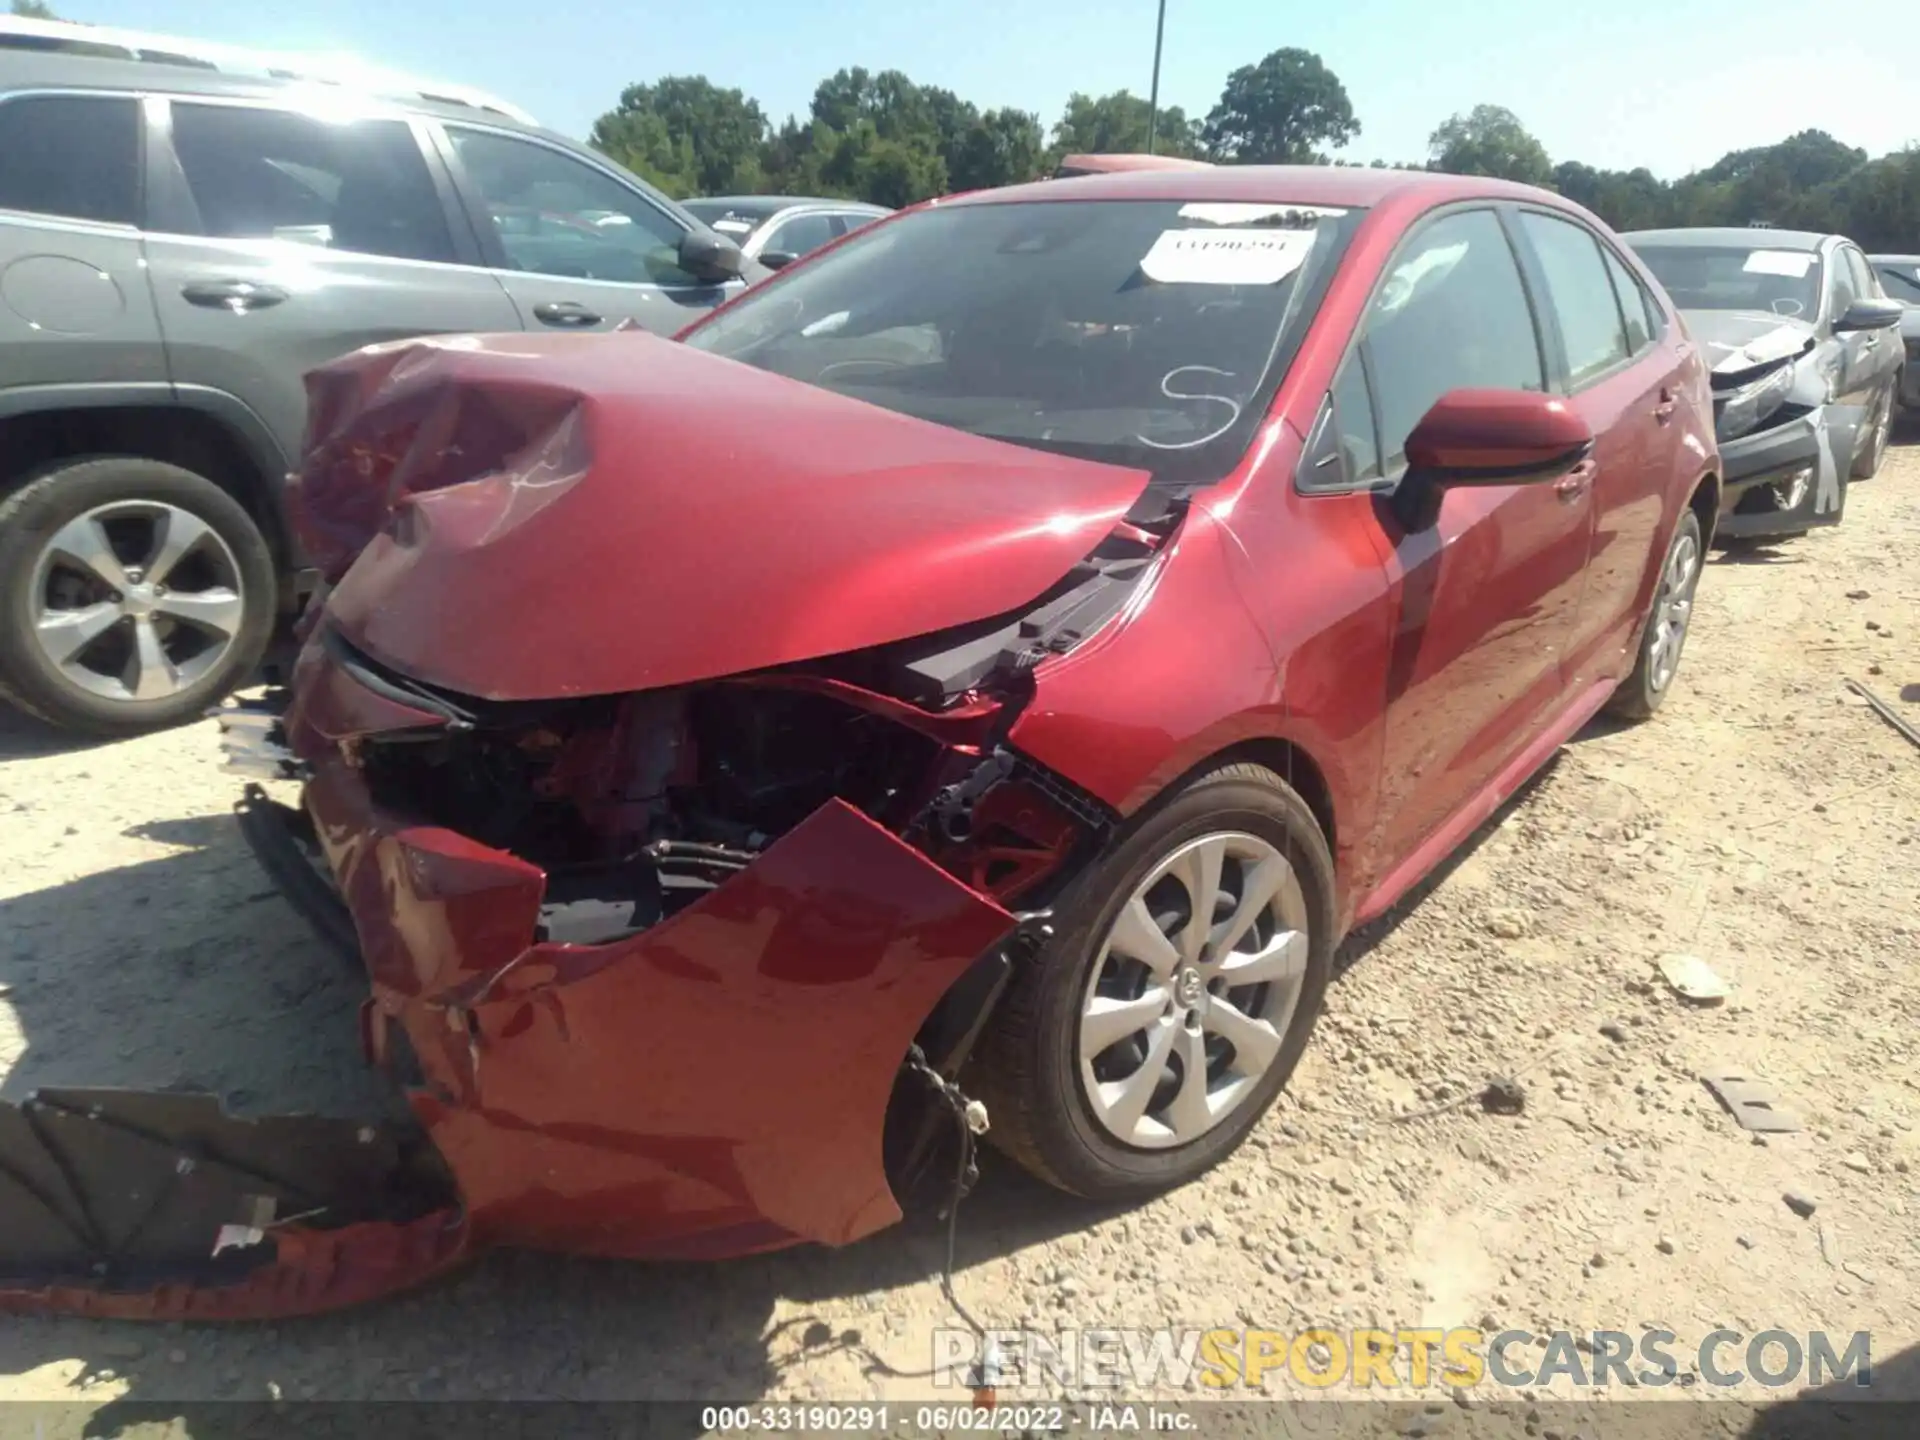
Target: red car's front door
(1486,597)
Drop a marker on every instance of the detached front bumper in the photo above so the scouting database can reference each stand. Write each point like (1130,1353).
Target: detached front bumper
(1781,481)
(717,1084)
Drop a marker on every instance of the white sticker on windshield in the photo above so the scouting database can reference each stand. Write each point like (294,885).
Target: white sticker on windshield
(1300,216)
(1794,264)
(1226,257)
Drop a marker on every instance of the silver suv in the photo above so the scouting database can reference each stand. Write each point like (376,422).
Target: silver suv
(179,245)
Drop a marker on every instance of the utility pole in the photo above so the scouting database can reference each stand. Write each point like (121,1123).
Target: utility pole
(1153,102)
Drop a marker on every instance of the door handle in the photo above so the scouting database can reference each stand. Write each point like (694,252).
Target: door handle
(1663,412)
(569,314)
(1573,484)
(238,296)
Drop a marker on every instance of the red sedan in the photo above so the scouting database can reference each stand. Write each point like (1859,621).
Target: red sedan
(998,659)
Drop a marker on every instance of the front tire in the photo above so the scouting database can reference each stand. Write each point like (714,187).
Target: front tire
(1668,624)
(133,595)
(1139,1049)
(1867,464)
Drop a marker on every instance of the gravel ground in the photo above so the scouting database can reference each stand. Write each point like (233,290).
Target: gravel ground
(1766,823)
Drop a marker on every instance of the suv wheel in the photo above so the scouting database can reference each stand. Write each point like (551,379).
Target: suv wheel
(1148,1039)
(133,594)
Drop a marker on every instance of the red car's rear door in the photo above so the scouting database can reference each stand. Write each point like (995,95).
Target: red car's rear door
(1627,385)
(1486,596)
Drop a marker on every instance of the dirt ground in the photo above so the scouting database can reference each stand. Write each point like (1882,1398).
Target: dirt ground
(1766,822)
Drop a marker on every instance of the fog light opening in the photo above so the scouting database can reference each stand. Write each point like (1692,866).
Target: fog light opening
(1788,493)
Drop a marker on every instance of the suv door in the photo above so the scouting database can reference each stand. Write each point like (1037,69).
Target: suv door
(74,300)
(575,246)
(1487,595)
(280,240)
(1628,389)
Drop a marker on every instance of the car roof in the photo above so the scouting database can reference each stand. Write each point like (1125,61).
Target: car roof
(772,204)
(1723,236)
(1350,186)
(1894,259)
(186,67)
(1121,162)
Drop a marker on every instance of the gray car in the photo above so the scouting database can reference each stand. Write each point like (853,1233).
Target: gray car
(1805,360)
(180,244)
(1899,276)
(777,230)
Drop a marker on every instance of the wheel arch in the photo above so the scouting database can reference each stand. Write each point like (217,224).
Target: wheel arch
(1705,504)
(207,431)
(1287,758)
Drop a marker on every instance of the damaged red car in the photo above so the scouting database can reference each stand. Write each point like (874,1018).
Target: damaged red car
(972,681)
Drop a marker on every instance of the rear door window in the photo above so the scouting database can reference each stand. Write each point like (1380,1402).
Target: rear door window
(72,156)
(1581,294)
(261,174)
(1452,313)
(1636,306)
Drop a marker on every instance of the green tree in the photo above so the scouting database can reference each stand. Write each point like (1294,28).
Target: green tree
(34,10)
(1490,140)
(1280,112)
(1001,147)
(686,135)
(1116,124)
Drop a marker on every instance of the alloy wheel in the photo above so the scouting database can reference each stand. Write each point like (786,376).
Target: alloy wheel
(1190,997)
(1673,611)
(136,600)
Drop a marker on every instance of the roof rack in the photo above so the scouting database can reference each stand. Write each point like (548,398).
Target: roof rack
(107,43)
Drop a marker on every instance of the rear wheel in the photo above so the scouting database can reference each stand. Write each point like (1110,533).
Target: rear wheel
(1665,636)
(1145,1043)
(133,594)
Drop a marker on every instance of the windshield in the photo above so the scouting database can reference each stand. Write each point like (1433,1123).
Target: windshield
(1142,333)
(1900,280)
(1737,277)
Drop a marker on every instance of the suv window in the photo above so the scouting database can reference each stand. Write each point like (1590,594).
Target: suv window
(557,215)
(1451,313)
(1581,295)
(803,233)
(75,156)
(261,174)
(1901,282)
(1635,304)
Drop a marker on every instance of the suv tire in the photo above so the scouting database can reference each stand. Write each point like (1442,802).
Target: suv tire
(133,595)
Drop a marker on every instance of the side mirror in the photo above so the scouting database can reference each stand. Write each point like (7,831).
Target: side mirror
(777,259)
(1869,314)
(707,256)
(1487,437)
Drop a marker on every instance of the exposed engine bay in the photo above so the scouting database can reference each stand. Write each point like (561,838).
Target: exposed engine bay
(636,805)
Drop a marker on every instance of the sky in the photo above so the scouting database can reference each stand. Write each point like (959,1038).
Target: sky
(1668,84)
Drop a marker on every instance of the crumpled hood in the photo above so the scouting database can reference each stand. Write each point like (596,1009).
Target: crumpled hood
(578,515)
(1739,340)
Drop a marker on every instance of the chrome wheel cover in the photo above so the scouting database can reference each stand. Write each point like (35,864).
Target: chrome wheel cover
(1672,612)
(136,600)
(1188,1002)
